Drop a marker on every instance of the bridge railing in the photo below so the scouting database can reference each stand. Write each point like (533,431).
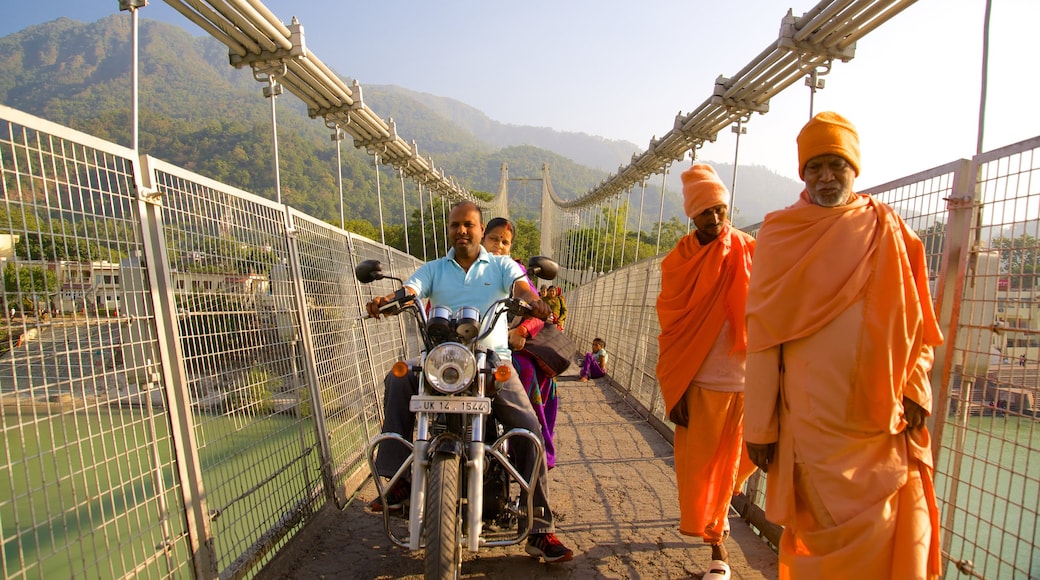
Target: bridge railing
(979,221)
(183,378)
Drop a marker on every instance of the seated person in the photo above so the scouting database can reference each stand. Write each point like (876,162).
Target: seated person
(594,365)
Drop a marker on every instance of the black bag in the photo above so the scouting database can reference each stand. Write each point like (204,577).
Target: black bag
(553,349)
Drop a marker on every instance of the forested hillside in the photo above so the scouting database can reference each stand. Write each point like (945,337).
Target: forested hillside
(200,113)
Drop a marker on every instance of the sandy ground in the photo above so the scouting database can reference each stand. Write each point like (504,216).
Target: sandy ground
(614,492)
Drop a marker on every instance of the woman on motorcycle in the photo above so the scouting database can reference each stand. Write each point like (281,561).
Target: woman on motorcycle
(539,384)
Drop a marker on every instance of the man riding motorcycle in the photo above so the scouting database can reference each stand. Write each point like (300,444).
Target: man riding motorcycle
(470,276)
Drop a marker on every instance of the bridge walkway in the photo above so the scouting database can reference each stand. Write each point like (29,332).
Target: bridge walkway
(613,490)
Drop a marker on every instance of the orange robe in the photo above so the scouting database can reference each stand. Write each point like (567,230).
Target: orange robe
(703,287)
(840,330)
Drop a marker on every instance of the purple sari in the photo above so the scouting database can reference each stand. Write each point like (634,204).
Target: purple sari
(542,391)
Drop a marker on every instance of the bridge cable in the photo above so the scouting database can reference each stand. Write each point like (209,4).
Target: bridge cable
(337,136)
(422,219)
(379,199)
(739,129)
(433,222)
(404,212)
(660,216)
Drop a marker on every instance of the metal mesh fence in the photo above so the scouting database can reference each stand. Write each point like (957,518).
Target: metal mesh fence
(87,485)
(183,373)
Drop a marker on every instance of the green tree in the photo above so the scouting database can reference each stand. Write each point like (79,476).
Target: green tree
(1019,260)
(934,238)
(28,286)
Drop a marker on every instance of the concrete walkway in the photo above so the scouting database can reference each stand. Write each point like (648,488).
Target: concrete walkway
(614,492)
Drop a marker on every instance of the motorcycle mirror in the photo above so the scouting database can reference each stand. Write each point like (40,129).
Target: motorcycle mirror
(542,267)
(369,271)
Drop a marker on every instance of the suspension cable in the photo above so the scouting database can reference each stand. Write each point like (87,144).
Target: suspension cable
(433,221)
(660,215)
(379,199)
(422,220)
(404,212)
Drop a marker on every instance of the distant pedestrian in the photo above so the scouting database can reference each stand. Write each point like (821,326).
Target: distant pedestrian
(1022,361)
(594,365)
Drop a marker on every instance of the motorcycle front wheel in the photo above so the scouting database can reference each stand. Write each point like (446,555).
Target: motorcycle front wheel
(441,523)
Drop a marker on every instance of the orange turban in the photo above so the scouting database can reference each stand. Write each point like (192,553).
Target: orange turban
(701,189)
(828,133)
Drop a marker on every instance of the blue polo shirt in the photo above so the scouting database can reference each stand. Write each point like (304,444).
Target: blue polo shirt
(445,283)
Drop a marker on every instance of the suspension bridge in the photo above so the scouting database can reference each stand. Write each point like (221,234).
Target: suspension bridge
(196,397)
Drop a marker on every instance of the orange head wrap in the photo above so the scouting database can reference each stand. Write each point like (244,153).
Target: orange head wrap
(828,133)
(702,188)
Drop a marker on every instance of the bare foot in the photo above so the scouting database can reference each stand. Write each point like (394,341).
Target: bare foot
(584,379)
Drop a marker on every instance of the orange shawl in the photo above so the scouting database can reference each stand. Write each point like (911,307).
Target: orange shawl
(814,262)
(701,286)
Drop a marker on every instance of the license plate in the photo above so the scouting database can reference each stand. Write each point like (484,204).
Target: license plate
(424,404)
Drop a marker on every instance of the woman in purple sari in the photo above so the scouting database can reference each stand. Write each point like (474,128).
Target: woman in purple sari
(538,380)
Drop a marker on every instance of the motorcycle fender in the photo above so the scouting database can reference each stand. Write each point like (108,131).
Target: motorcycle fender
(447,443)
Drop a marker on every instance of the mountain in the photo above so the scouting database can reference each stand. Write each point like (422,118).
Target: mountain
(597,152)
(202,114)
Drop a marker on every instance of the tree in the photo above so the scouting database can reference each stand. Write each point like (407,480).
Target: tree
(934,238)
(29,286)
(1019,260)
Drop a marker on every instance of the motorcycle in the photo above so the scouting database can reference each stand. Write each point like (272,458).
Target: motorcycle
(465,491)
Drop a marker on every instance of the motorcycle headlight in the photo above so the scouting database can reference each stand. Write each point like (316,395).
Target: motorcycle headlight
(450,367)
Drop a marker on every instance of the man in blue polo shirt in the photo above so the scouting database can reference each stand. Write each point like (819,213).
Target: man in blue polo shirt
(470,276)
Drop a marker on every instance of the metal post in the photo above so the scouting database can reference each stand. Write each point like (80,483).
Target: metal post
(444,223)
(135,120)
(739,129)
(337,136)
(433,221)
(660,215)
(379,199)
(613,243)
(985,77)
(422,219)
(624,229)
(404,213)
(639,226)
(269,72)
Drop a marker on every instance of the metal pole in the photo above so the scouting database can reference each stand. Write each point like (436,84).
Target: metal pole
(660,215)
(624,228)
(135,60)
(337,136)
(379,199)
(433,221)
(270,72)
(639,226)
(739,129)
(404,214)
(422,219)
(613,236)
(275,89)
(444,222)
(985,77)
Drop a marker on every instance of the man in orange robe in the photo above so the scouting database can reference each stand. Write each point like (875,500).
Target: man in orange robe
(700,367)
(840,335)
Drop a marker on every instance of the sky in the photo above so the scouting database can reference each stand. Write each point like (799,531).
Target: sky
(623,70)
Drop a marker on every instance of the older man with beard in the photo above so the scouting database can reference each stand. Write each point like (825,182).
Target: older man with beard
(840,336)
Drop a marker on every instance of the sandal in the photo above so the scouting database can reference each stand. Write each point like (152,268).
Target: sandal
(717,570)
